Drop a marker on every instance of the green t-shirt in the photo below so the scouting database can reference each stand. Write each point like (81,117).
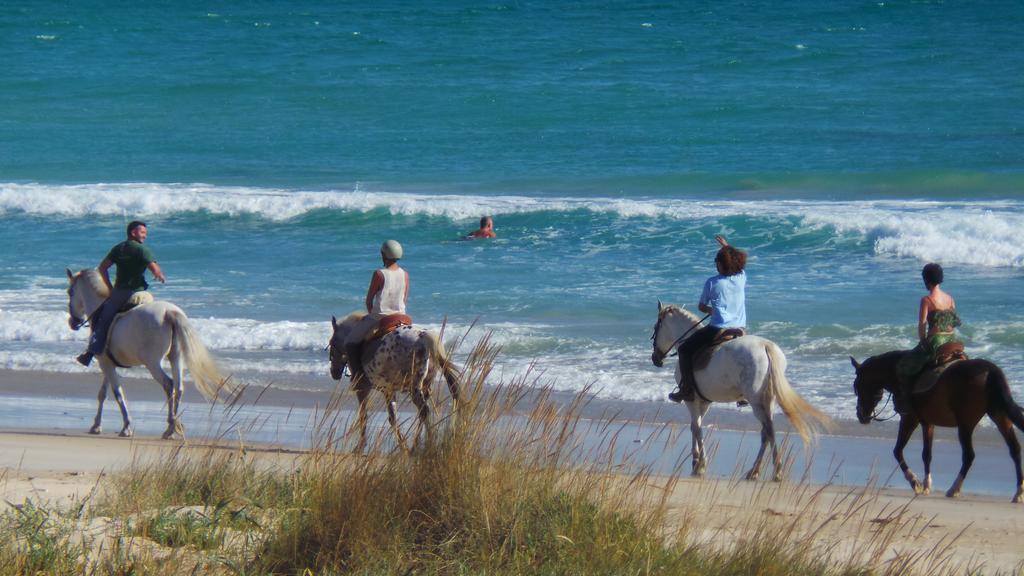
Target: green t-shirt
(131,259)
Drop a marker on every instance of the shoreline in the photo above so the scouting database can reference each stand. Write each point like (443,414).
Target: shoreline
(645,434)
(85,386)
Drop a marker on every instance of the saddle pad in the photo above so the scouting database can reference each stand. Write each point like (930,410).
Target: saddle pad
(926,381)
(702,357)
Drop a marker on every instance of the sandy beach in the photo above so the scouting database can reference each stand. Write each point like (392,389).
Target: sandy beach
(46,455)
(973,531)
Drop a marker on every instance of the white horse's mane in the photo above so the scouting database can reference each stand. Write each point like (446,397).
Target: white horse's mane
(94,280)
(683,311)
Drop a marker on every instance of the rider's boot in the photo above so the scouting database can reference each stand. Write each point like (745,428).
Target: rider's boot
(354,355)
(685,392)
(85,358)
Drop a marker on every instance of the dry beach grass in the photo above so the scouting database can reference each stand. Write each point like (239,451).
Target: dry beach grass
(500,492)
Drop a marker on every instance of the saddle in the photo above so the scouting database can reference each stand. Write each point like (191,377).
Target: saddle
(702,357)
(387,325)
(947,355)
(137,299)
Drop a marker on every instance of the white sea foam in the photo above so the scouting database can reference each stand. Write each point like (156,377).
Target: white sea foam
(977,233)
(961,233)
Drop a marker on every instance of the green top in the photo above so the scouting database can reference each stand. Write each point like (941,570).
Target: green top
(943,320)
(131,259)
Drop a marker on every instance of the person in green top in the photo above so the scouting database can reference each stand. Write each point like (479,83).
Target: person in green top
(132,258)
(936,324)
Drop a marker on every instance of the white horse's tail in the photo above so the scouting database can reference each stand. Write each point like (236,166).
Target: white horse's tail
(205,373)
(439,356)
(806,419)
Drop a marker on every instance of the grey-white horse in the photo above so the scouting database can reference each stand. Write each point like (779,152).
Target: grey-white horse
(144,336)
(748,368)
(405,360)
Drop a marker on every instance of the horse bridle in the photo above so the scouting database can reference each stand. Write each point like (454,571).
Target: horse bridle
(671,349)
(877,411)
(77,322)
(332,349)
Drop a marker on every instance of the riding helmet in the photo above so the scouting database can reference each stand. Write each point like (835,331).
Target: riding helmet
(391,250)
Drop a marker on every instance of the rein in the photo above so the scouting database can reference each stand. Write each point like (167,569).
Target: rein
(874,415)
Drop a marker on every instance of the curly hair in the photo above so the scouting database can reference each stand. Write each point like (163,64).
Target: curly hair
(932,274)
(732,260)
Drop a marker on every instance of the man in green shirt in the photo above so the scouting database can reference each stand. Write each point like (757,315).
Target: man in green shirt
(132,259)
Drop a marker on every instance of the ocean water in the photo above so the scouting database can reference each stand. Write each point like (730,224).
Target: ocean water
(273,147)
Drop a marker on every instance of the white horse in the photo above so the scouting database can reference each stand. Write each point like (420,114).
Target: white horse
(748,368)
(143,336)
(405,360)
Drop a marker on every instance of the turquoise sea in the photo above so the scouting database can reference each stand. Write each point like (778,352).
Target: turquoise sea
(273,146)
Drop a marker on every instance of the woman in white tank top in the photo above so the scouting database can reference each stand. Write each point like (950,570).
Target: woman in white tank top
(390,299)
(387,293)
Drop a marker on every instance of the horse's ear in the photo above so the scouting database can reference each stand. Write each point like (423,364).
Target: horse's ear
(334,322)
(70,275)
(856,365)
(659,305)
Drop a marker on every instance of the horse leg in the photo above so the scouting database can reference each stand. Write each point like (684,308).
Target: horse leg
(1005,426)
(115,386)
(423,421)
(767,439)
(361,396)
(100,398)
(967,453)
(698,409)
(908,424)
(170,391)
(393,419)
(928,433)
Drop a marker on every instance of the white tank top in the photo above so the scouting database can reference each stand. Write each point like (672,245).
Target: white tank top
(391,298)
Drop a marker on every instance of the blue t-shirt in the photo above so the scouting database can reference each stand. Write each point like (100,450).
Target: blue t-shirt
(727,296)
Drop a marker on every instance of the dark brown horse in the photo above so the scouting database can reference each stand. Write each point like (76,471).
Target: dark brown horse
(966,392)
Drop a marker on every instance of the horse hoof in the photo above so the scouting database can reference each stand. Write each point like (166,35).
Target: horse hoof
(95,430)
(1017,499)
(126,433)
(752,476)
(952,494)
(917,488)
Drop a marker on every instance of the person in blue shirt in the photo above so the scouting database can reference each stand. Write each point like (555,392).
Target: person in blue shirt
(724,298)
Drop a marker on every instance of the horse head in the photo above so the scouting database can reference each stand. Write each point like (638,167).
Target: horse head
(336,346)
(336,349)
(674,323)
(869,388)
(86,291)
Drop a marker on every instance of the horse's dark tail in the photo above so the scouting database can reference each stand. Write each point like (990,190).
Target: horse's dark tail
(1000,388)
